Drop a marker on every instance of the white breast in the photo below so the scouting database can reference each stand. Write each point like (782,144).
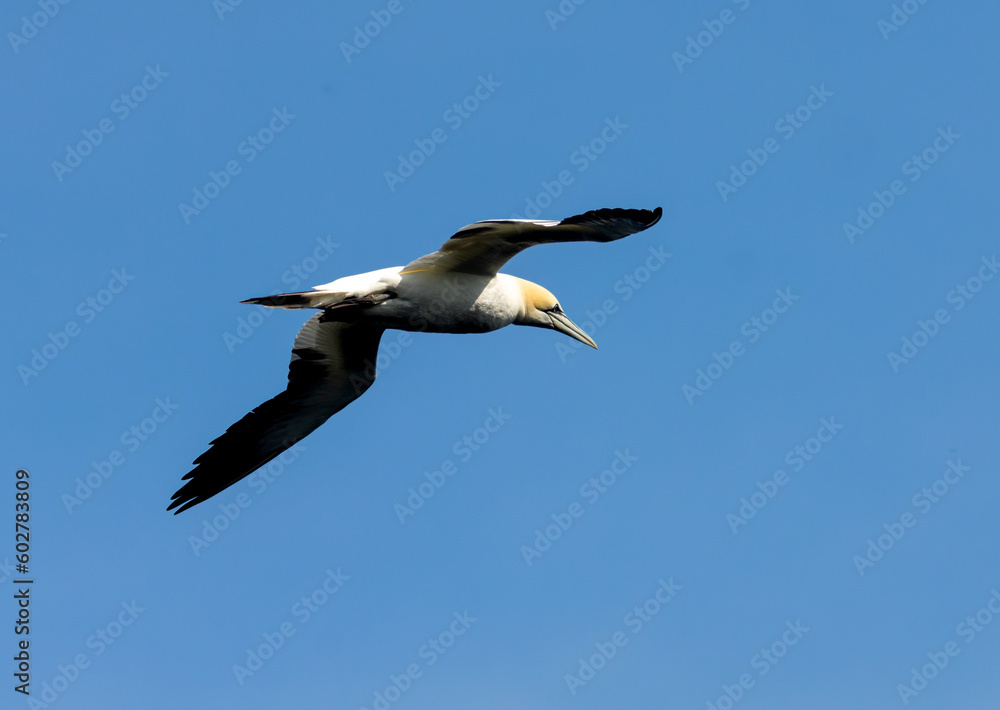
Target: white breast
(452,302)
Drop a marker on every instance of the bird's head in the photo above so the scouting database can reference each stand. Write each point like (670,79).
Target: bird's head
(542,310)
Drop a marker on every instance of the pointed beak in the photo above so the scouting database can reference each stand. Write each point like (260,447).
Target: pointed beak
(562,323)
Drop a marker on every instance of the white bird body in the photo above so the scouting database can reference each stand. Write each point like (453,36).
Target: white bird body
(432,301)
(457,289)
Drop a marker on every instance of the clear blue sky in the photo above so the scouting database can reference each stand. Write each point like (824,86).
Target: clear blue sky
(829,183)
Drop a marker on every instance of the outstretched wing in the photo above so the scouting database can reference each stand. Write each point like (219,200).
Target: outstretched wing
(332,365)
(484,247)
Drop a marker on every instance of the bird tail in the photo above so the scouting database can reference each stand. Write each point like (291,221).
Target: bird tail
(302,299)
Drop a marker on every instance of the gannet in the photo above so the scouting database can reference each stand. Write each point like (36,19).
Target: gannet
(456,289)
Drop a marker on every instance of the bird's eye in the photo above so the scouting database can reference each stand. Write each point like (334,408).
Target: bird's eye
(556,309)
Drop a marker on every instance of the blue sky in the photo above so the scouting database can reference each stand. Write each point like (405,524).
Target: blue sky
(773,486)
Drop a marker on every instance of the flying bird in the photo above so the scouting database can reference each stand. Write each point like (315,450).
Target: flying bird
(456,289)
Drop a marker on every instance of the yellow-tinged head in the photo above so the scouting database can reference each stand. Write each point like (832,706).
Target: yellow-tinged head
(542,310)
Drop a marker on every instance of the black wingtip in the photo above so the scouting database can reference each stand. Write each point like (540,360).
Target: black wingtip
(647,218)
(279,300)
(191,503)
(182,500)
